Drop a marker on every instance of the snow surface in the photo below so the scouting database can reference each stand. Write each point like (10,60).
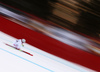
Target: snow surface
(12,60)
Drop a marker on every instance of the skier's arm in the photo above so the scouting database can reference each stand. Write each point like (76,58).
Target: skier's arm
(22,44)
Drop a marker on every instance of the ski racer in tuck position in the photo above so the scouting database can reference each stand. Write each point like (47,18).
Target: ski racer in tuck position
(19,43)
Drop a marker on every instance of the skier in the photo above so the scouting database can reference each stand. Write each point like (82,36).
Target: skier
(19,43)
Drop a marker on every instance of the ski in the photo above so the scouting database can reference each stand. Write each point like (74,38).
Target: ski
(19,49)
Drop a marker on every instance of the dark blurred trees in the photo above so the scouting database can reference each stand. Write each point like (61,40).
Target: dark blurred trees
(88,24)
(40,8)
(89,20)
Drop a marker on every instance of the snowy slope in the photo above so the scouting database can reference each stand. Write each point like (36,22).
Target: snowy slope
(12,60)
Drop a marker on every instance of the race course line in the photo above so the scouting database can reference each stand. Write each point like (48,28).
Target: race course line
(27,60)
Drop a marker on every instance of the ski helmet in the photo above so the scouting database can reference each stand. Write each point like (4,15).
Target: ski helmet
(23,40)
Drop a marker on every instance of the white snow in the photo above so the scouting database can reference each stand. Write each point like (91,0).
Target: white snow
(12,60)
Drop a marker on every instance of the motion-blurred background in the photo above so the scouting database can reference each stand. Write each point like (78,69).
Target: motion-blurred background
(82,16)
